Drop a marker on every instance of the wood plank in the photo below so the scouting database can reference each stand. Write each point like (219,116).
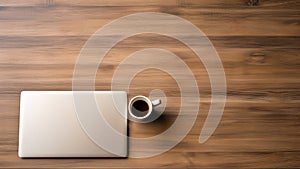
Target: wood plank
(236,17)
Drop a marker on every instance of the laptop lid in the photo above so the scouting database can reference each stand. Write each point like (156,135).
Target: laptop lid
(49,124)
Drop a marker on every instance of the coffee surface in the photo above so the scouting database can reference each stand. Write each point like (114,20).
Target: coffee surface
(140,108)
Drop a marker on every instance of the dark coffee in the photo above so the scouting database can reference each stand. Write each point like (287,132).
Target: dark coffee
(140,108)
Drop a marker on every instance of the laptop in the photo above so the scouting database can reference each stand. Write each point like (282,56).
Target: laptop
(73,124)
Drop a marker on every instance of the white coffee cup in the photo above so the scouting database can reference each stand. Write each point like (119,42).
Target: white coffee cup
(141,107)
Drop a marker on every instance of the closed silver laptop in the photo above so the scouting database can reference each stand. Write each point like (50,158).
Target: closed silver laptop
(60,124)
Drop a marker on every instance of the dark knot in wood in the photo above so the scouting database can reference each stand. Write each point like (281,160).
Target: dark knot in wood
(253,2)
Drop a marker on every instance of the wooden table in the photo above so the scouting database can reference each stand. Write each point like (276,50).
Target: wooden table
(258,43)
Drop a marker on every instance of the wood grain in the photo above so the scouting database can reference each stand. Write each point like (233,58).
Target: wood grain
(259,44)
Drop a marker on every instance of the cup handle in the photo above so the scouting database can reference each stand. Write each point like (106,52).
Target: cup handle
(156,102)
